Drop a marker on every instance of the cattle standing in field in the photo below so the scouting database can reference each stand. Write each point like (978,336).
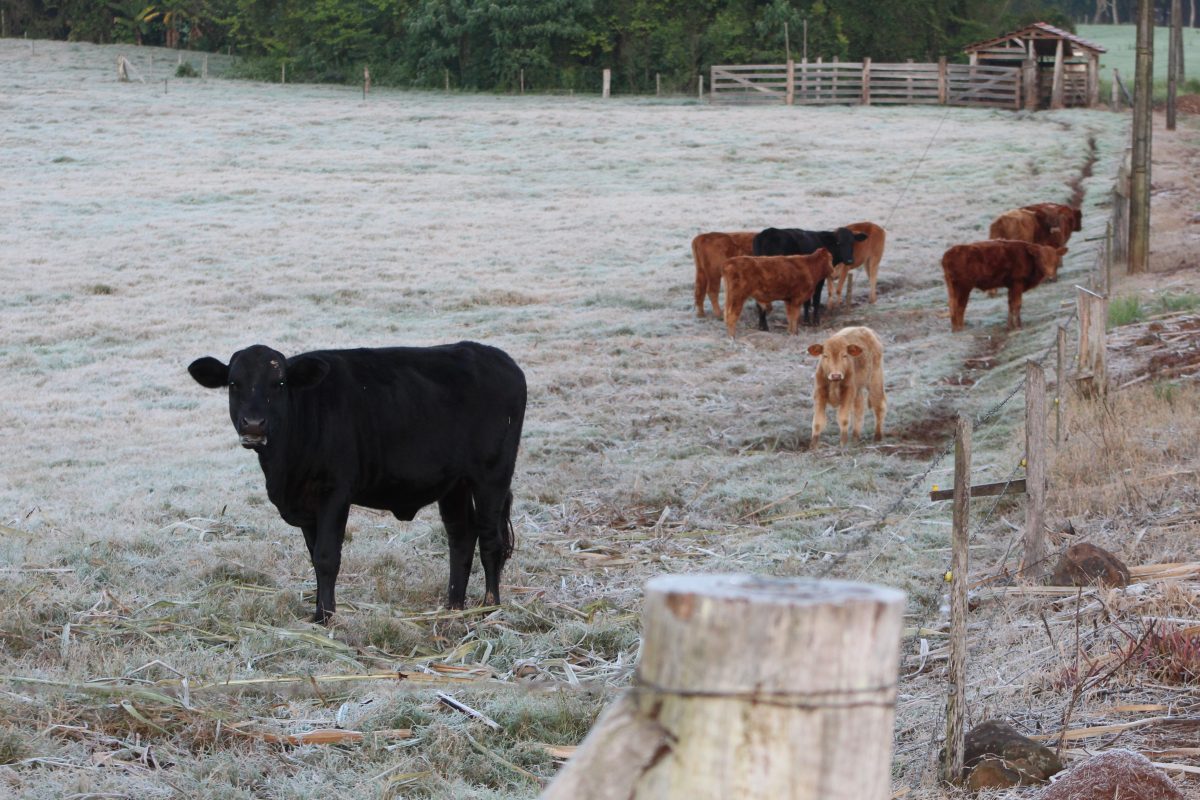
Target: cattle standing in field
(851,365)
(1028,226)
(1058,215)
(711,251)
(794,241)
(867,252)
(993,264)
(792,279)
(395,429)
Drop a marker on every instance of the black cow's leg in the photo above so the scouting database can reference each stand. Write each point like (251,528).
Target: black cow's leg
(457,516)
(816,304)
(492,510)
(326,550)
(762,316)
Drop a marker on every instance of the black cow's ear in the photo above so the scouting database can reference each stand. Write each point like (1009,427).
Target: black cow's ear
(209,372)
(307,371)
(859,237)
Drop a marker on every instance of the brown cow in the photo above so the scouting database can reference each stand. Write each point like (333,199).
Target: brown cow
(867,252)
(1053,215)
(1026,225)
(711,251)
(992,264)
(792,279)
(851,364)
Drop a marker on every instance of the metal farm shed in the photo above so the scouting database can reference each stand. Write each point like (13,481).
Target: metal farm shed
(1059,69)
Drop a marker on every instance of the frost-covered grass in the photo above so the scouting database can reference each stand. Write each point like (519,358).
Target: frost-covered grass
(141,229)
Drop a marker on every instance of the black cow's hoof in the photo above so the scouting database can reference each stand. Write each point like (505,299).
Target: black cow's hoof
(322,617)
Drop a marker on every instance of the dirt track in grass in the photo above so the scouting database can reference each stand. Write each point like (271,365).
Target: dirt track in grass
(141,228)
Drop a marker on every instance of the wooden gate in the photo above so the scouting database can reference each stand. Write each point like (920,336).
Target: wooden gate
(854,83)
(749,83)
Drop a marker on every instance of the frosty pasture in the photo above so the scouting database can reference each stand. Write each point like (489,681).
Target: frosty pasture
(142,228)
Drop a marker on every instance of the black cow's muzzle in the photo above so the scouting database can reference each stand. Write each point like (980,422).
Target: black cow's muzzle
(253,433)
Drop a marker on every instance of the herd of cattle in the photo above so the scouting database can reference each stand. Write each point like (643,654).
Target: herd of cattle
(400,428)
(792,265)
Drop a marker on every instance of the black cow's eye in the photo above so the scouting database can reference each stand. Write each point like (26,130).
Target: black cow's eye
(281,384)
(233,384)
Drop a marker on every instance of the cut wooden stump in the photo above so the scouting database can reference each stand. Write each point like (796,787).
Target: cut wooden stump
(750,687)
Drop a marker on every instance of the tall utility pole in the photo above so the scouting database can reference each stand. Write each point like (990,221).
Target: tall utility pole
(1174,51)
(1139,184)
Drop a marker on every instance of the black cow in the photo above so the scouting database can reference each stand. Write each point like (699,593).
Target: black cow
(395,428)
(797,242)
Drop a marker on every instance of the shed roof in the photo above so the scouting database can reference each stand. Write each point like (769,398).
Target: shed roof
(1038,30)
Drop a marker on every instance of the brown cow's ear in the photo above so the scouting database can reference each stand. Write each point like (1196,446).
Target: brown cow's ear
(815,349)
(854,350)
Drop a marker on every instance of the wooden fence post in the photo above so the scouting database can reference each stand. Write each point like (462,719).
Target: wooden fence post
(366,82)
(1093,81)
(446,78)
(791,82)
(1108,255)
(1029,84)
(816,700)
(204,69)
(1093,319)
(1056,84)
(606,83)
(956,706)
(700,86)
(657,84)
(943,84)
(1140,167)
(866,81)
(283,72)
(122,69)
(1037,546)
(1060,383)
(1120,216)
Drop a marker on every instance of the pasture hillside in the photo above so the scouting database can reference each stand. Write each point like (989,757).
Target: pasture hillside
(142,226)
(1120,42)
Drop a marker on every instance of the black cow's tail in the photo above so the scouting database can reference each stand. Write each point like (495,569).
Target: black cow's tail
(509,534)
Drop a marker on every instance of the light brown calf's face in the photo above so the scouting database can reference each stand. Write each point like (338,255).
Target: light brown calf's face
(837,358)
(1050,258)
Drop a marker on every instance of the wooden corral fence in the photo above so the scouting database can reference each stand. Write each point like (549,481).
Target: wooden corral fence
(866,83)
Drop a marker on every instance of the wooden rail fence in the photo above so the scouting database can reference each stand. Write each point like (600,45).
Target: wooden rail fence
(866,83)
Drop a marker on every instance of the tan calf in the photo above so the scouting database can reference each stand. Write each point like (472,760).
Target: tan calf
(792,279)
(711,251)
(851,365)
(867,253)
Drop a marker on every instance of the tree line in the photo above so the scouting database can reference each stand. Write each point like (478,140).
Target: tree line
(553,45)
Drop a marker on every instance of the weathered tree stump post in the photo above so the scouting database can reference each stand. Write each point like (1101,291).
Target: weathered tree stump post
(750,687)
(606,83)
